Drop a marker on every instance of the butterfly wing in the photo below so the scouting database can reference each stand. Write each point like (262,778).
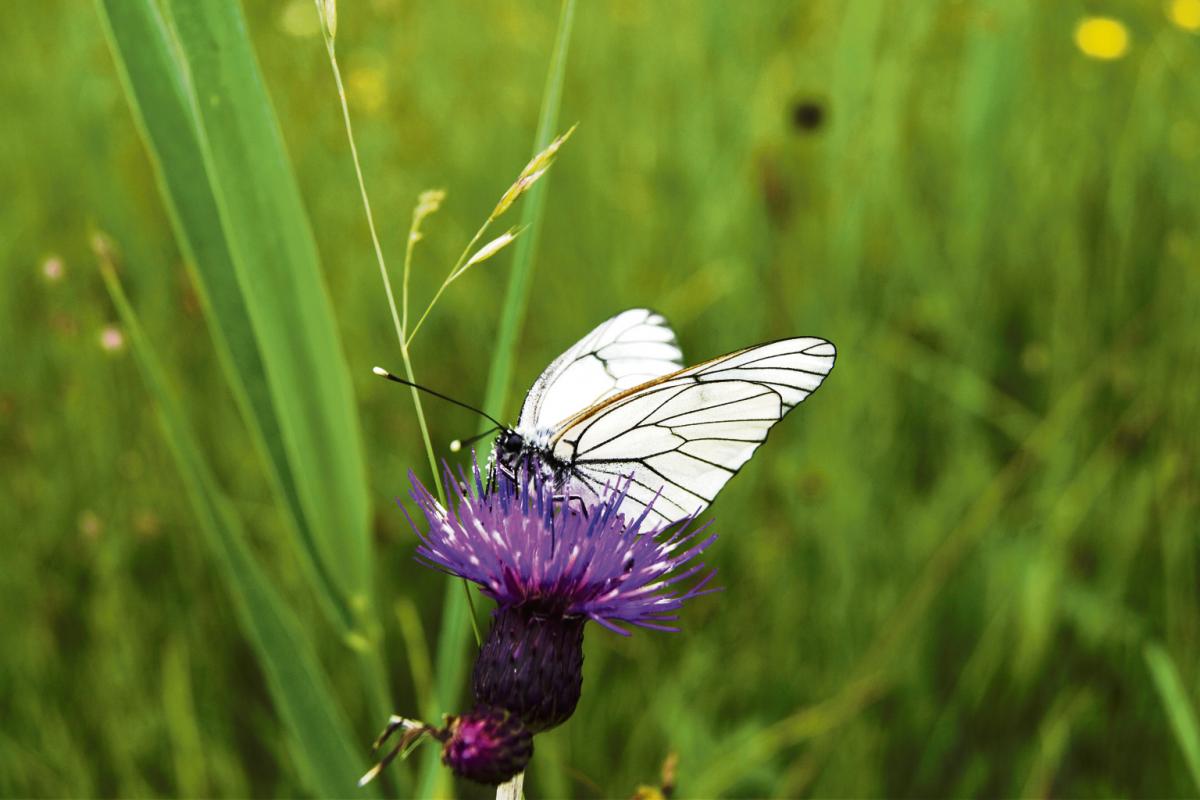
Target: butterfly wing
(633,347)
(682,436)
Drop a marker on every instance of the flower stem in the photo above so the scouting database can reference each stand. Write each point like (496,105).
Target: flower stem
(513,790)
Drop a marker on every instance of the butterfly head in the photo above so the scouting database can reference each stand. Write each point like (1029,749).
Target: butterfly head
(518,451)
(509,446)
(507,452)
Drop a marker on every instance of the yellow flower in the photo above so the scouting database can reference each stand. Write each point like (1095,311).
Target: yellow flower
(367,87)
(1185,14)
(1102,37)
(297,19)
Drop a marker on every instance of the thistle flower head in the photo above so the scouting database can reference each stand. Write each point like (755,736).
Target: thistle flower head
(527,549)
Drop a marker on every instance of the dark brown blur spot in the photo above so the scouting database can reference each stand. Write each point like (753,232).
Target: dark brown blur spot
(808,115)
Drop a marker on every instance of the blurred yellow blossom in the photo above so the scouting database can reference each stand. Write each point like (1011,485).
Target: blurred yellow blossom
(1102,37)
(299,19)
(1185,14)
(367,87)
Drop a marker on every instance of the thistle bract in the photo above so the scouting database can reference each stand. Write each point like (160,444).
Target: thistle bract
(532,665)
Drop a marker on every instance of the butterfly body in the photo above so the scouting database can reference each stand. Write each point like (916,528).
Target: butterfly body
(517,451)
(619,405)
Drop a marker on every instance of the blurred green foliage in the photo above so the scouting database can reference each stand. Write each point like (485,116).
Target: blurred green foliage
(967,566)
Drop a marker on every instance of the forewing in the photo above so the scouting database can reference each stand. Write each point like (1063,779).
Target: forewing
(681,437)
(631,348)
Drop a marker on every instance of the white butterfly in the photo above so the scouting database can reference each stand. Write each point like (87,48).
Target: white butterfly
(620,404)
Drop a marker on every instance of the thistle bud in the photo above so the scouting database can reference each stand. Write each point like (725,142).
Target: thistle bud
(488,745)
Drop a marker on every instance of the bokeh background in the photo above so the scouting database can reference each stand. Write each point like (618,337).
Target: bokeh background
(967,566)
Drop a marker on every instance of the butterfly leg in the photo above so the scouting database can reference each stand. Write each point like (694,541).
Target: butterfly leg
(394,723)
(413,732)
(567,499)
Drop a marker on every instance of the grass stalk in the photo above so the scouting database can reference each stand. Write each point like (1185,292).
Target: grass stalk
(318,734)
(451,276)
(162,72)
(1180,713)
(451,665)
(397,323)
(516,295)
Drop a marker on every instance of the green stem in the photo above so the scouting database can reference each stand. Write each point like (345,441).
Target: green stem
(383,271)
(451,666)
(516,295)
(399,322)
(450,277)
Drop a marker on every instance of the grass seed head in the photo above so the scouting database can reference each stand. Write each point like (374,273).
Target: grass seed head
(532,172)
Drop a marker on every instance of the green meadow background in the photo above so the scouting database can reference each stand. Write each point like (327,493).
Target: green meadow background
(968,566)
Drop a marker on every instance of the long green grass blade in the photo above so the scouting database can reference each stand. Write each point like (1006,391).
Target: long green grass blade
(1179,708)
(516,295)
(319,735)
(157,92)
(157,85)
(452,637)
(274,256)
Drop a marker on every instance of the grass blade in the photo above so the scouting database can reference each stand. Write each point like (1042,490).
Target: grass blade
(516,295)
(320,739)
(277,269)
(157,86)
(453,634)
(1178,707)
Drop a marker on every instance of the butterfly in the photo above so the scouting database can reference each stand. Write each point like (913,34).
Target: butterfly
(620,406)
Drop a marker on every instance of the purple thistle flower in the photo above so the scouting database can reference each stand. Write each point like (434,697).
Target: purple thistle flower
(550,567)
(526,549)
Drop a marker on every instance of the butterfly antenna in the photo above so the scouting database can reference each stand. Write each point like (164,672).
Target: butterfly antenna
(383,373)
(458,444)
